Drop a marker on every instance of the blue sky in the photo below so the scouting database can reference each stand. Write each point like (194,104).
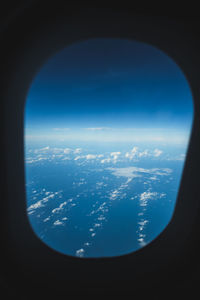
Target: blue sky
(109,89)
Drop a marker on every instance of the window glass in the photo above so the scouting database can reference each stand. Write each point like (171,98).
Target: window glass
(107,125)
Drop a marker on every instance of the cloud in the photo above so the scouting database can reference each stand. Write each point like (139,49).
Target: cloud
(80,252)
(115,155)
(45,148)
(157,152)
(114,195)
(42,149)
(67,150)
(106,160)
(125,172)
(41,203)
(57,209)
(147,195)
(47,219)
(78,150)
(143,222)
(90,156)
(57,223)
(135,153)
(61,129)
(132,172)
(132,153)
(38,204)
(97,128)
(145,153)
(77,157)
(113,158)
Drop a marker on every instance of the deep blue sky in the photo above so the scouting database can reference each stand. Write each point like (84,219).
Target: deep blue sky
(109,83)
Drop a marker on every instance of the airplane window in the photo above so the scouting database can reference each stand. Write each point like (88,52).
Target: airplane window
(107,124)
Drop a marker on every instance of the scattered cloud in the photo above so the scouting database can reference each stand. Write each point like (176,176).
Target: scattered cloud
(41,203)
(78,150)
(77,157)
(80,252)
(115,156)
(132,172)
(90,156)
(57,223)
(45,148)
(106,160)
(145,196)
(67,150)
(61,129)
(97,128)
(125,172)
(157,152)
(145,153)
(132,153)
(59,208)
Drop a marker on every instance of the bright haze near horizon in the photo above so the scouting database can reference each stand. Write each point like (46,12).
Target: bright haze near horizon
(107,125)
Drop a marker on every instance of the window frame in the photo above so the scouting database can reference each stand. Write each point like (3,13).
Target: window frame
(27,256)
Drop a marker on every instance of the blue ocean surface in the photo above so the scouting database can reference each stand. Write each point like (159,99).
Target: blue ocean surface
(90,200)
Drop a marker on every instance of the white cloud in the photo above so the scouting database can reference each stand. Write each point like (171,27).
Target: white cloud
(77,157)
(142,242)
(61,129)
(57,223)
(97,128)
(36,205)
(132,172)
(45,148)
(132,153)
(97,225)
(41,203)
(134,150)
(125,172)
(147,195)
(90,156)
(100,183)
(143,222)
(80,252)
(135,153)
(87,244)
(115,153)
(114,195)
(42,149)
(78,150)
(47,219)
(145,153)
(157,152)
(67,150)
(115,156)
(57,209)
(106,160)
